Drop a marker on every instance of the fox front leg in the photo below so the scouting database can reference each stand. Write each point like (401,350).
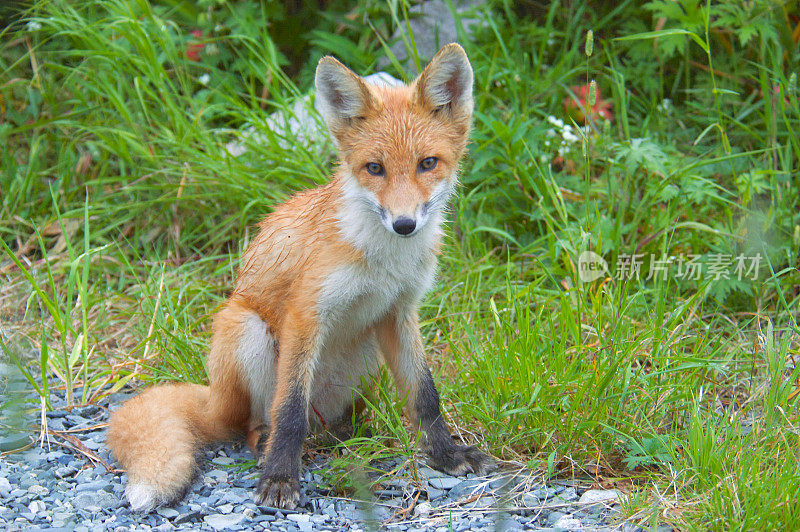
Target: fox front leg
(402,347)
(279,485)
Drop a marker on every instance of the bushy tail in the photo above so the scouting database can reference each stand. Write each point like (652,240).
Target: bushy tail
(155,437)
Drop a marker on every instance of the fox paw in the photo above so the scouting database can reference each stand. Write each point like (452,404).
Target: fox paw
(456,460)
(278,493)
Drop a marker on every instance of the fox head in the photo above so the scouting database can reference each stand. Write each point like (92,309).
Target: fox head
(399,147)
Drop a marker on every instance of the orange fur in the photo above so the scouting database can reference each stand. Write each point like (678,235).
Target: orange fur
(326,283)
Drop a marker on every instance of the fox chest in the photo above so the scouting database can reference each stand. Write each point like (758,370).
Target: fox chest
(355,297)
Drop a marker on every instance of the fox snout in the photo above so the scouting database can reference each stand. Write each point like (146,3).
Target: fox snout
(404,226)
(406,222)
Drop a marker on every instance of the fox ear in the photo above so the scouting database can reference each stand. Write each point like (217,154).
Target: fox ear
(446,83)
(341,94)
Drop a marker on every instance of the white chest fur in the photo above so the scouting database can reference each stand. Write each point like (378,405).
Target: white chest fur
(355,296)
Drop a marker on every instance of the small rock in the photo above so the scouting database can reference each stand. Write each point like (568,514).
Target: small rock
(530,500)
(427,472)
(36,507)
(92,444)
(39,491)
(568,523)
(444,483)
(215,475)
(92,486)
(225,508)
(222,521)
(85,501)
(27,481)
(13,442)
(434,493)
(65,471)
(508,525)
(465,487)
(606,497)
(554,517)
(568,495)
(88,410)
(486,501)
(423,509)
(5,487)
(75,420)
(169,513)
(544,493)
(191,515)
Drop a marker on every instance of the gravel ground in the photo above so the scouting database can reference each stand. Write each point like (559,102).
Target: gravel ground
(72,484)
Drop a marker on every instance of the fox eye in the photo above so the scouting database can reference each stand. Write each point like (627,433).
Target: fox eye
(428,163)
(375,169)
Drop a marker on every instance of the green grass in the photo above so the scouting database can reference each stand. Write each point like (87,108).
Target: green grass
(122,218)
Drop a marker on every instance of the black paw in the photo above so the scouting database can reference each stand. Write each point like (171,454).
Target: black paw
(456,460)
(278,492)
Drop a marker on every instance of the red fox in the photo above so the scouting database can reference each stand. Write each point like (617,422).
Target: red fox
(327,291)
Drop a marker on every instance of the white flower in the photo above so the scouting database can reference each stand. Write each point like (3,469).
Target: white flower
(32,25)
(204,79)
(555,121)
(665,106)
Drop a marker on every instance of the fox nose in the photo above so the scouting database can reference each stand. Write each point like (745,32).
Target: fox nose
(404,226)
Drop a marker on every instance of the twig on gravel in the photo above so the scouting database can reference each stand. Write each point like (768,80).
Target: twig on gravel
(78,445)
(400,514)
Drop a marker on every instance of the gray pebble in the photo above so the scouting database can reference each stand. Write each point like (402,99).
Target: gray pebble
(65,471)
(191,515)
(222,460)
(169,513)
(5,487)
(464,488)
(222,521)
(12,442)
(444,483)
(225,508)
(422,509)
(434,493)
(554,517)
